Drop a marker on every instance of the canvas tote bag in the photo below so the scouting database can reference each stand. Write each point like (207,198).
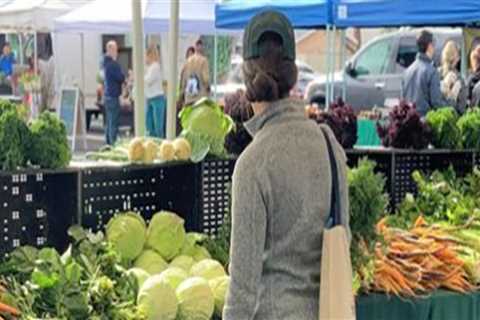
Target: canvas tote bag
(337,301)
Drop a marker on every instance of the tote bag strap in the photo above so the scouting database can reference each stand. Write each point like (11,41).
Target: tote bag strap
(334,218)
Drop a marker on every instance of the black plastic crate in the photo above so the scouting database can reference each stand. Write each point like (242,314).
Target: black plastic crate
(398,166)
(215,193)
(143,189)
(197,192)
(37,208)
(426,161)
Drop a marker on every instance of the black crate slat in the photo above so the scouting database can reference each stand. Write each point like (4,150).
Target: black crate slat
(37,207)
(143,189)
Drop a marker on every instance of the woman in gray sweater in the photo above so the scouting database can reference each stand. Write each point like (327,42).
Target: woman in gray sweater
(281,187)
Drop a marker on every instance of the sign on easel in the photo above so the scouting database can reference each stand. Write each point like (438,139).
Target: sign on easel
(70,110)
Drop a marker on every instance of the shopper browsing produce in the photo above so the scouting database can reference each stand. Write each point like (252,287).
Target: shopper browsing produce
(281,198)
(421,81)
(156,103)
(114,79)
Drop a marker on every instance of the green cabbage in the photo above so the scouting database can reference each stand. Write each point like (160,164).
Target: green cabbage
(208,269)
(140,275)
(174,276)
(183,262)
(157,299)
(192,248)
(166,234)
(200,253)
(219,287)
(205,126)
(195,300)
(151,262)
(127,233)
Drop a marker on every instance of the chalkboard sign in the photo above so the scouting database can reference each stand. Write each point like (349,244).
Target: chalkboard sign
(68,108)
(69,111)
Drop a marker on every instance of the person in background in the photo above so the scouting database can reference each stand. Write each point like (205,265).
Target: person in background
(280,199)
(199,47)
(195,77)
(421,81)
(473,82)
(190,52)
(240,110)
(156,103)
(114,79)
(452,84)
(475,51)
(7,60)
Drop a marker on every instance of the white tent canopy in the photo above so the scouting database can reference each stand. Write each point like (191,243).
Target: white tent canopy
(30,15)
(115,16)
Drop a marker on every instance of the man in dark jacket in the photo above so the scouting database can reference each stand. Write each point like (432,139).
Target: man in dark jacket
(114,79)
(421,81)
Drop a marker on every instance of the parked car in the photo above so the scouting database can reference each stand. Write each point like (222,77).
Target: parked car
(235,79)
(373,76)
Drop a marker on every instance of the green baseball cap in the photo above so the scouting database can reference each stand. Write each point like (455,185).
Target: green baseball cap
(268,21)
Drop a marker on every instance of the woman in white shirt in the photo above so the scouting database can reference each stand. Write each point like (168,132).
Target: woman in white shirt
(156,103)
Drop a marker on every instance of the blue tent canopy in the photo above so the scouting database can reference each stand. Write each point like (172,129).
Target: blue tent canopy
(394,13)
(235,14)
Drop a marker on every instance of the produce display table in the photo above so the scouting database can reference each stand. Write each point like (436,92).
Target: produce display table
(397,165)
(367,133)
(442,305)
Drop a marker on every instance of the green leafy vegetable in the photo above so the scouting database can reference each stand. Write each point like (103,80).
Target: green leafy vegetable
(195,299)
(15,140)
(50,148)
(127,233)
(205,126)
(166,234)
(87,282)
(443,123)
(219,287)
(157,299)
(469,125)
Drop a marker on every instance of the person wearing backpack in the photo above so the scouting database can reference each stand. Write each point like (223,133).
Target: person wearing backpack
(194,82)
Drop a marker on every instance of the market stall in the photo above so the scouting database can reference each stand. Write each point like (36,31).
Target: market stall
(29,17)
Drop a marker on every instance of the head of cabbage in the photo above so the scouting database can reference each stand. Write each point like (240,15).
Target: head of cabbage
(157,299)
(205,126)
(151,262)
(127,234)
(183,262)
(220,287)
(192,247)
(195,300)
(174,276)
(140,275)
(166,234)
(208,269)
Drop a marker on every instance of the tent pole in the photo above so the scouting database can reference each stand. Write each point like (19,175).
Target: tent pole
(327,88)
(215,66)
(464,65)
(35,53)
(333,62)
(343,62)
(82,59)
(138,68)
(172,70)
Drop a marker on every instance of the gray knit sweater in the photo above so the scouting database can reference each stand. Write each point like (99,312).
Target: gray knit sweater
(281,201)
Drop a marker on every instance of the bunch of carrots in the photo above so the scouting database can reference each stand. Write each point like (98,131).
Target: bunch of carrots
(418,261)
(5,309)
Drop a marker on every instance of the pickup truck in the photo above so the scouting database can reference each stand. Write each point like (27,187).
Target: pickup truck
(373,76)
